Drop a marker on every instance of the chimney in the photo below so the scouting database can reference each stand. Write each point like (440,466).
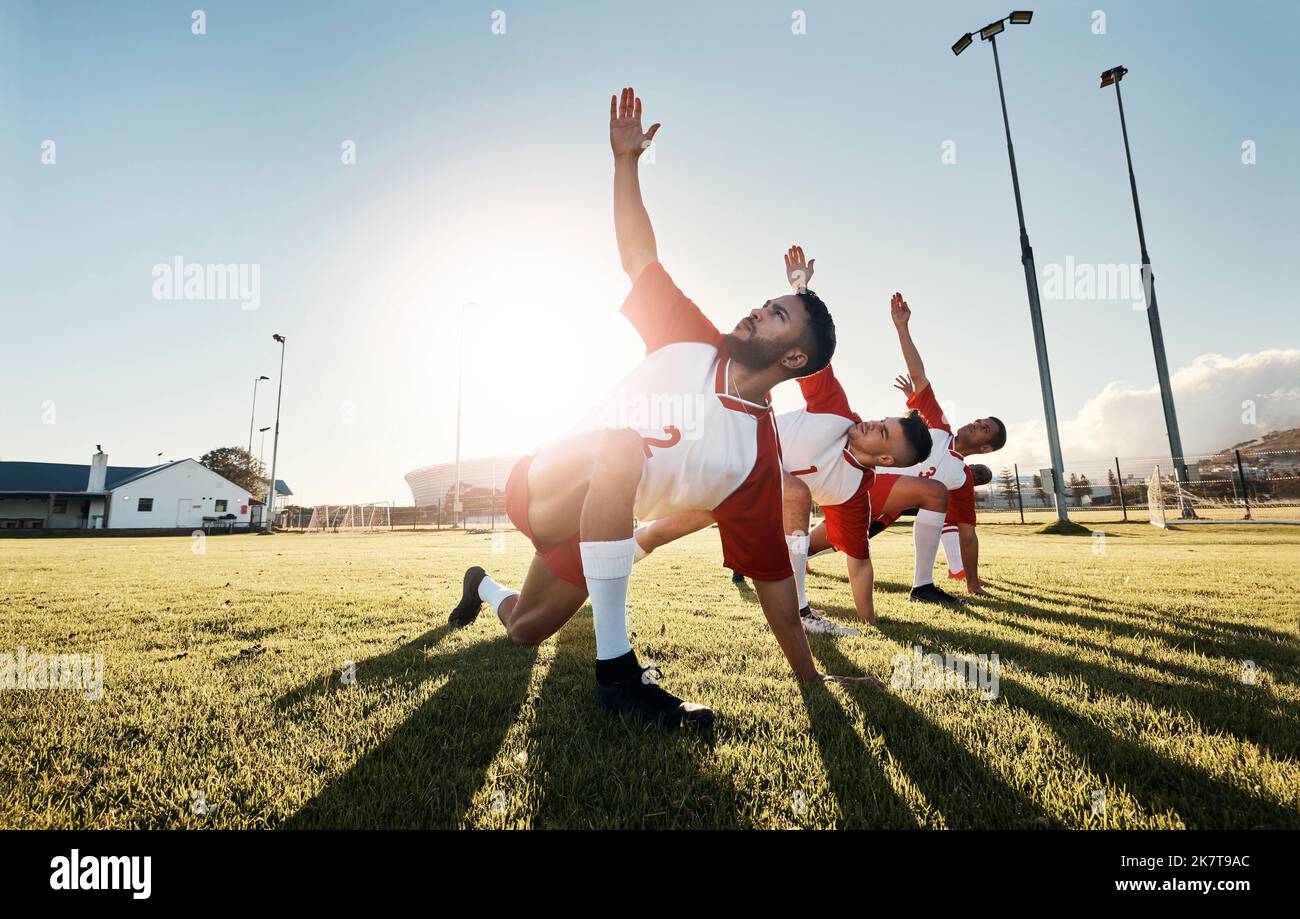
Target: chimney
(98,470)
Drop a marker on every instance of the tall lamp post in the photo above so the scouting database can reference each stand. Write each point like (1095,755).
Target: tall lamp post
(253,413)
(275,443)
(989,34)
(460,386)
(1109,78)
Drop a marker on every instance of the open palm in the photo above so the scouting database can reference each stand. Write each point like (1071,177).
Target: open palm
(625,134)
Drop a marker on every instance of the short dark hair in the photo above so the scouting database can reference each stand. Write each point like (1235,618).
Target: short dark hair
(819,340)
(1000,438)
(980,474)
(917,436)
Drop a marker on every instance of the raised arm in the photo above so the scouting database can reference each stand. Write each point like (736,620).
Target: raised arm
(636,237)
(902,315)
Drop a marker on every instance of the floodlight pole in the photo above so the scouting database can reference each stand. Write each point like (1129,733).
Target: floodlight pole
(275,445)
(1035,310)
(1153,319)
(460,386)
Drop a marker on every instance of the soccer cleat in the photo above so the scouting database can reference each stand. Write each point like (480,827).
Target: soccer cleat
(814,623)
(467,609)
(928,593)
(639,695)
(737,577)
(956,575)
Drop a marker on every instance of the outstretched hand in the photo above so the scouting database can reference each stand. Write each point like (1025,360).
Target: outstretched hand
(798,271)
(899,310)
(904,382)
(625,134)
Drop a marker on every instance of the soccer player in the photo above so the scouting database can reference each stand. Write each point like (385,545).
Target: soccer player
(829,455)
(959,539)
(690,428)
(947,460)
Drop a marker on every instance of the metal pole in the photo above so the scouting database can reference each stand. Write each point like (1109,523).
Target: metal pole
(252,415)
(1245,495)
(460,385)
(1035,310)
(1119,478)
(275,446)
(1153,320)
(1019,498)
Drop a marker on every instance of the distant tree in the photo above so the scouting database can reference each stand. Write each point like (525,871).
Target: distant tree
(1080,486)
(1039,493)
(240,467)
(1114,486)
(1007,487)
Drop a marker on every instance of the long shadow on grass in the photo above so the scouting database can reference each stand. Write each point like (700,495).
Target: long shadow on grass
(954,781)
(1157,782)
(1227,639)
(597,770)
(1247,712)
(426,772)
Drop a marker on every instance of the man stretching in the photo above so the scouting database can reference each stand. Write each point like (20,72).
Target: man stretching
(644,453)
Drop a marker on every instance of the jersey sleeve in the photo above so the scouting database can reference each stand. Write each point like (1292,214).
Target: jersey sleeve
(961,502)
(928,407)
(663,315)
(751,524)
(824,395)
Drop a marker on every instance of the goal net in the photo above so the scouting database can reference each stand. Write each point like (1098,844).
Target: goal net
(1205,501)
(351,518)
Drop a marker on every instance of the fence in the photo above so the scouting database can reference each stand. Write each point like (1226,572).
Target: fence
(1233,484)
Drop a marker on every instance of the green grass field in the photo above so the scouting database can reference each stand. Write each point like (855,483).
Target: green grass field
(1121,672)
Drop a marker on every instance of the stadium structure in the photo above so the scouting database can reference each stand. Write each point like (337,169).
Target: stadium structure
(482,486)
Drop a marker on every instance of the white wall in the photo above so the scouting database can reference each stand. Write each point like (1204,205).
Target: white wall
(187,479)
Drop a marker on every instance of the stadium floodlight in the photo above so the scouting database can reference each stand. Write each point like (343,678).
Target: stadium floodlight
(460,386)
(989,34)
(275,443)
(1113,77)
(253,413)
(962,44)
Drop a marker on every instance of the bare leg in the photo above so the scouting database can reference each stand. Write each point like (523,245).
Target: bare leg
(544,605)
(668,529)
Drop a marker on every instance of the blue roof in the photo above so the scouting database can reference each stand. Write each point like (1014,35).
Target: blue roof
(281,488)
(62,477)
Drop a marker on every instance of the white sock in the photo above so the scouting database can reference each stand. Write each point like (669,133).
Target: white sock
(952,549)
(493,594)
(607,566)
(637,552)
(798,546)
(925,536)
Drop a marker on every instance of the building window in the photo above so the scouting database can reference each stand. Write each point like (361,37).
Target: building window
(145,505)
(220,507)
(61,506)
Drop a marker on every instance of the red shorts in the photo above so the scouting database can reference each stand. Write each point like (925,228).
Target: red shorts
(880,489)
(564,559)
(847,524)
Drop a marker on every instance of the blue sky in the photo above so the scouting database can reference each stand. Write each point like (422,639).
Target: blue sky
(483,174)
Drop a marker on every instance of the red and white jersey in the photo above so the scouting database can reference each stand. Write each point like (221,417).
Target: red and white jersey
(944,464)
(815,441)
(704,449)
(815,447)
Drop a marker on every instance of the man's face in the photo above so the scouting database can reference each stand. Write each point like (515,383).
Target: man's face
(770,334)
(881,443)
(976,437)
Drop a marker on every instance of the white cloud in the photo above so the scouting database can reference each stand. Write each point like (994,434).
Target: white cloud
(1209,395)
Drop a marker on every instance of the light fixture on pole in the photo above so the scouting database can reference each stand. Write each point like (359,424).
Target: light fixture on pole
(989,34)
(275,444)
(253,413)
(460,386)
(1113,77)
(261,450)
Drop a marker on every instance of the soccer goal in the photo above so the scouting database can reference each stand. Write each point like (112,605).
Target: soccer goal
(1173,502)
(351,518)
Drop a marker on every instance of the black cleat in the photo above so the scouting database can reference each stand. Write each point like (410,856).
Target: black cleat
(737,577)
(928,593)
(467,609)
(640,695)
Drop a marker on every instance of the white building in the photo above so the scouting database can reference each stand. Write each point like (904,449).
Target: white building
(182,494)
